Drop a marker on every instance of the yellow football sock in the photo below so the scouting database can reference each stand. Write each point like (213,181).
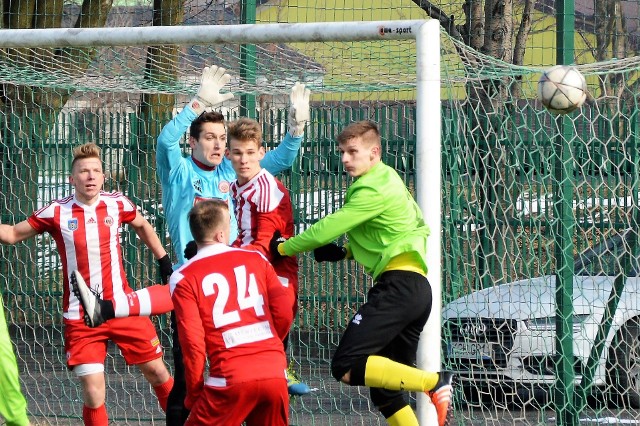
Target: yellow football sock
(403,417)
(381,372)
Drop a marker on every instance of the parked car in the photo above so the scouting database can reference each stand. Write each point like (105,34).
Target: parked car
(504,336)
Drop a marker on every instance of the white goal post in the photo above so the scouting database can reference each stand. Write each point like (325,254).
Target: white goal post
(428,103)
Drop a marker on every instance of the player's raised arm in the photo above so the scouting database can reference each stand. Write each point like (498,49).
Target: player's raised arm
(213,79)
(282,157)
(299,109)
(13,234)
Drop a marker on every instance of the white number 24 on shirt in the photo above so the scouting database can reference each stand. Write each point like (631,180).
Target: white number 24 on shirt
(249,296)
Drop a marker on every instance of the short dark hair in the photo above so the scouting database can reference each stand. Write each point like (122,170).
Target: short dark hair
(366,129)
(205,117)
(244,129)
(205,217)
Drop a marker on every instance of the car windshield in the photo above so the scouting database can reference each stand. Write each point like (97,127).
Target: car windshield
(610,257)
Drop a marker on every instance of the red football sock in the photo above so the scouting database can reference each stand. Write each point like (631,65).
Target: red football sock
(95,416)
(153,300)
(162,392)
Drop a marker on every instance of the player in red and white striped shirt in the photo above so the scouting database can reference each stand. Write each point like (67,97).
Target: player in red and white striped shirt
(263,208)
(86,228)
(232,310)
(262,203)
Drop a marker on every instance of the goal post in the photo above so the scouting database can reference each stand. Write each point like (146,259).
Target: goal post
(406,87)
(429,192)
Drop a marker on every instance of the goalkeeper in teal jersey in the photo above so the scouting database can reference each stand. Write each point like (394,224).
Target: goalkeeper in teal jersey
(13,407)
(207,173)
(388,236)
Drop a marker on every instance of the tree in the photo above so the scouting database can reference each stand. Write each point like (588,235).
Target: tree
(28,112)
(490,28)
(612,41)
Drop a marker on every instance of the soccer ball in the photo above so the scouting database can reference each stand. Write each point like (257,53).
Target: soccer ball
(562,89)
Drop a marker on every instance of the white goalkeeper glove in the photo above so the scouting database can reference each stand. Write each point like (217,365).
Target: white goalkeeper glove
(299,110)
(213,79)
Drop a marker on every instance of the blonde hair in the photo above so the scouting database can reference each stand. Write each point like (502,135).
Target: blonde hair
(244,129)
(88,150)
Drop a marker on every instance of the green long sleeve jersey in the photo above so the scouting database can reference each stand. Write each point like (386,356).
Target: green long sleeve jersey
(380,218)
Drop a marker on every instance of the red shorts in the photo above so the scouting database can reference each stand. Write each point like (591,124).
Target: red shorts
(258,403)
(136,338)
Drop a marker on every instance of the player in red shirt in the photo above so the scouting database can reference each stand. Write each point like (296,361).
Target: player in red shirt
(262,208)
(85,227)
(233,311)
(262,203)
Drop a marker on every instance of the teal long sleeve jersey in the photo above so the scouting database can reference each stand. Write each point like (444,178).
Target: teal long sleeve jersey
(381,220)
(184,183)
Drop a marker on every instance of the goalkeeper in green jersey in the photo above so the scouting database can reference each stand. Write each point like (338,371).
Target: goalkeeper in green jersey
(387,235)
(13,407)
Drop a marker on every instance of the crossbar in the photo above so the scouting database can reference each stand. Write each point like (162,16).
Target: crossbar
(207,34)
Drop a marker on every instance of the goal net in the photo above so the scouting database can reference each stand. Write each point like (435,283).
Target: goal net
(117,87)
(528,200)
(540,243)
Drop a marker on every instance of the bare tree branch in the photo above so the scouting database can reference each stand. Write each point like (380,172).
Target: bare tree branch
(473,32)
(523,33)
(447,22)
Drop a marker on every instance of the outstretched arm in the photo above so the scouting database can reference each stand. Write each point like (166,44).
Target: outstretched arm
(266,225)
(283,156)
(169,155)
(362,206)
(13,234)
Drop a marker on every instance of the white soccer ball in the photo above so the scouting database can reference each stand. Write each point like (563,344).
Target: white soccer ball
(562,89)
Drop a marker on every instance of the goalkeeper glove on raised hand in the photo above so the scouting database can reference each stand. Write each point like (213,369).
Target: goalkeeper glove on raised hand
(276,240)
(213,79)
(166,268)
(329,253)
(190,250)
(299,110)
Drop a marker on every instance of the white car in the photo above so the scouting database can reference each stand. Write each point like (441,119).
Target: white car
(504,336)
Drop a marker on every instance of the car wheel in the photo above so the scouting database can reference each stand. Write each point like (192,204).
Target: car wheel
(623,365)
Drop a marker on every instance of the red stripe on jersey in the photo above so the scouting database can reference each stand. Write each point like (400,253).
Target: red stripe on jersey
(263,193)
(246,220)
(88,240)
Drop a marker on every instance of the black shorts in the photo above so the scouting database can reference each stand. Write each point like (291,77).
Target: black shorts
(388,324)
